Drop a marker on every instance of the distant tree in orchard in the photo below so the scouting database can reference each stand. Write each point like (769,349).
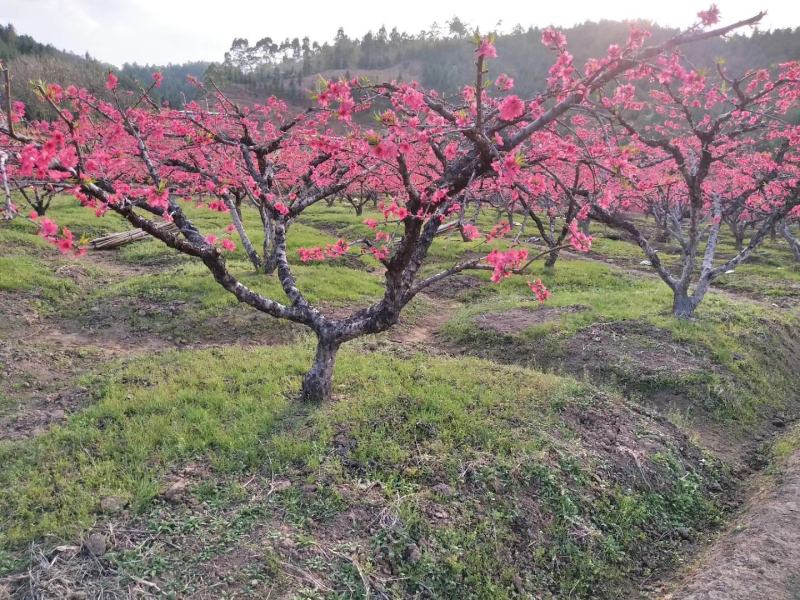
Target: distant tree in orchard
(701,149)
(427,159)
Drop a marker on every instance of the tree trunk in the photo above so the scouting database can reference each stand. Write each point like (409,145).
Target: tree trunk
(271,262)
(550,262)
(318,382)
(683,305)
(662,234)
(794,242)
(738,237)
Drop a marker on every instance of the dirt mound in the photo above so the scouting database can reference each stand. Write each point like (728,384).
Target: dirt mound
(517,320)
(635,347)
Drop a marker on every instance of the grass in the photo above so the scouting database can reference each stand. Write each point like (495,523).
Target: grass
(26,274)
(408,425)
(504,478)
(743,338)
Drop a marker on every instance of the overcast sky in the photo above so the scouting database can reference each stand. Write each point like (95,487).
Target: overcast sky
(161,31)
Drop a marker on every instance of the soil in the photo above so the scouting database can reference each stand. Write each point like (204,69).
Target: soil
(758,556)
(454,287)
(517,320)
(424,331)
(648,350)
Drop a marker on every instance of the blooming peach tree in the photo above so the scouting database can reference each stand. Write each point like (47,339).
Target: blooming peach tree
(699,149)
(427,159)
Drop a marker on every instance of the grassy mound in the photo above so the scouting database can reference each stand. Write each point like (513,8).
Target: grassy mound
(440,474)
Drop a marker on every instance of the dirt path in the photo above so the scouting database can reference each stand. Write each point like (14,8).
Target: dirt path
(758,556)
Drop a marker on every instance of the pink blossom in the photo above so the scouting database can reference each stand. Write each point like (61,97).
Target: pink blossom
(228,245)
(111,81)
(579,240)
(539,290)
(211,239)
(309,254)
(498,231)
(371,223)
(380,253)
(47,228)
(509,168)
(55,92)
(345,111)
(158,200)
(32,215)
(486,49)
(18,111)
(710,16)
(511,108)
(470,232)
(554,39)
(504,82)
(504,263)
(64,245)
(158,78)
(412,98)
(281,208)
(339,248)
(385,150)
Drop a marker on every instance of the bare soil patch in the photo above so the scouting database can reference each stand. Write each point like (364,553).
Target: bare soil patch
(758,556)
(452,288)
(635,346)
(517,320)
(423,331)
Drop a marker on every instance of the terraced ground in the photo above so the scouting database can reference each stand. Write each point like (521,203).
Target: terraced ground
(151,442)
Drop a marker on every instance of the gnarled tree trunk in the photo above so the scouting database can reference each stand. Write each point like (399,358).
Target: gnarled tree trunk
(318,381)
(683,305)
(551,259)
(794,242)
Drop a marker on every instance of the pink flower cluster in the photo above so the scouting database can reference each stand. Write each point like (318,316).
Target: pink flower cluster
(504,82)
(539,290)
(504,263)
(511,107)
(470,232)
(486,49)
(710,16)
(579,240)
(48,229)
(340,248)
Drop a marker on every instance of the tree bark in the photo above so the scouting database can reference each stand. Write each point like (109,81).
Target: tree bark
(794,242)
(550,262)
(683,305)
(318,382)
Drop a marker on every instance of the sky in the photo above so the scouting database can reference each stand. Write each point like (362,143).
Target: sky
(163,31)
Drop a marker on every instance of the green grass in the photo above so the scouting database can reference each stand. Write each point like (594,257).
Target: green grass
(406,423)
(25,274)
(540,496)
(744,338)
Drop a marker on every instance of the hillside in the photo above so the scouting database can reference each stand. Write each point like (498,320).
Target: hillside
(30,61)
(335,365)
(291,68)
